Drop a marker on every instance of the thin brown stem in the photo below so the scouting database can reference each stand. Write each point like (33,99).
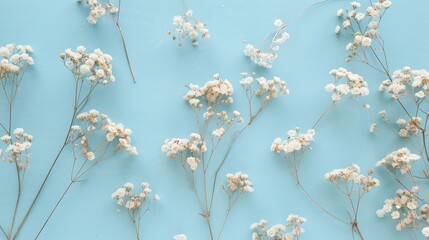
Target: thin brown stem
(65,143)
(4,232)
(323,114)
(125,49)
(207,217)
(356,229)
(55,208)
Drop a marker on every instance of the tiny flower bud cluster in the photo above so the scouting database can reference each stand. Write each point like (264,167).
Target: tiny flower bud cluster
(183,28)
(417,80)
(224,122)
(266,58)
(353,20)
(268,89)
(98,9)
(13,59)
(124,196)
(239,182)
(179,148)
(180,237)
(351,174)
(213,92)
(93,120)
(400,159)
(403,209)
(17,149)
(413,126)
(355,84)
(295,142)
(278,231)
(95,66)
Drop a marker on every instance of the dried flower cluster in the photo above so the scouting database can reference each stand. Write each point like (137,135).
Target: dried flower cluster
(265,57)
(99,9)
(399,160)
(125,196)
(93,120)
(267,89)
(363,26)
(14,60)
(215,91)
(198,154)
(278,231)
(180,148)
(18,147)
(404,209)
(239,182)
(351,175)
(136,204)
(355,84)
(415,81)
(94,67)
(295,141)
(184,28)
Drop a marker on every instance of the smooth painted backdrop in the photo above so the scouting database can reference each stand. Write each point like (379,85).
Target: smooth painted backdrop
(153,108)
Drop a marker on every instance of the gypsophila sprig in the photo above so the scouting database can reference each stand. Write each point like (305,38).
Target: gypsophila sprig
(349,182)
(213,92)
(14,62)
(355,84)
(185,26)
(278,231)
(399,160)
(363,26)
(266,90)
(199,155)
(403,209)
(17,150)
(293,148)
(99,9)
(238,182)
(295,141)
(180,148)
(94,67)
(109,10)
(344,177)
(407,81)
(136,204)
(92,136)
(95,138)
(92,121)
(265,57)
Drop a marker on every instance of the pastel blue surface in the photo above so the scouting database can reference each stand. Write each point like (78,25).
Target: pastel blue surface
(153,108)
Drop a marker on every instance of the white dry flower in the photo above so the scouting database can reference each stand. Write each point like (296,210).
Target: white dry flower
(114,133)
(17,150)
(295,142)
(278,231)
(95,67)
(14,59)
(265,58)
(355,84)
(239,182)
(400,159)
(185,26)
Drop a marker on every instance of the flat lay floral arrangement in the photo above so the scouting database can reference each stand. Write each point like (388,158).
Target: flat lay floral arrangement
(214,120)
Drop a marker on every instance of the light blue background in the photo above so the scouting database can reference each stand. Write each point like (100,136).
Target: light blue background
(154,109)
